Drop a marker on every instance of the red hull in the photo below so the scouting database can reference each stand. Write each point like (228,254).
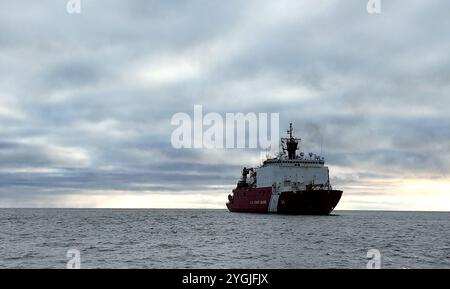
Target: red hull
(307,202)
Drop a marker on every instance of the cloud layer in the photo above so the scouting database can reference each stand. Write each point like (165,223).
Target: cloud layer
(86,99)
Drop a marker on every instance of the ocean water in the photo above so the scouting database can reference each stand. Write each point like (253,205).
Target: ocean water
(107,238)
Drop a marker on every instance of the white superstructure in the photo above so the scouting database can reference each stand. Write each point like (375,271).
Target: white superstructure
(297,172)
(289,171)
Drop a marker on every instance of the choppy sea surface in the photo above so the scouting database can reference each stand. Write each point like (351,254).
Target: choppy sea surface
(126,238)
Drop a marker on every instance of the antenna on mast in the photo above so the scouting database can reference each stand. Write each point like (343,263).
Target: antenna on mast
(290,144)
(290,130)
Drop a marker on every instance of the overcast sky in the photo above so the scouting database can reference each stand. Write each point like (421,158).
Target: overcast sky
(86,99)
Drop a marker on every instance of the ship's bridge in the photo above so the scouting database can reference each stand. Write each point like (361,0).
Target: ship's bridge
(294,162)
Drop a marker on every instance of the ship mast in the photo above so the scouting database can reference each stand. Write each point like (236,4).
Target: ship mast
(290,143)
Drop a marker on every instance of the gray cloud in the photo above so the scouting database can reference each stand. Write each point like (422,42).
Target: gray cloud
(86,100)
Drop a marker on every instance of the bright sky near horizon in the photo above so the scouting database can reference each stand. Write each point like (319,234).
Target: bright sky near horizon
(86,99)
